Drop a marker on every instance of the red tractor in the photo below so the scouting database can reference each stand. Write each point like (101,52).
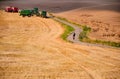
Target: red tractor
(15,9)
(11,9)
(8,9)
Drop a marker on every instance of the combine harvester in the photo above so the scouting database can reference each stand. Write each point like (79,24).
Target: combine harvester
(11,9)
(35,11)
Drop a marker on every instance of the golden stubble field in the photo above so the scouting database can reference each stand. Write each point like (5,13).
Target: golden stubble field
(31,48)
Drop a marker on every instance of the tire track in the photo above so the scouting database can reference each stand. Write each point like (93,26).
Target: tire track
(102,65)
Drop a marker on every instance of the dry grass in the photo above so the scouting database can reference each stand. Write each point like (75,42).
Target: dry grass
(31,48)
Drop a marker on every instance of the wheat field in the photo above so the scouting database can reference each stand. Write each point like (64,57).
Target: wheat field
(31,48)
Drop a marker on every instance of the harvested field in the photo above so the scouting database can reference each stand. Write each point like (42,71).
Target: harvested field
(31,48)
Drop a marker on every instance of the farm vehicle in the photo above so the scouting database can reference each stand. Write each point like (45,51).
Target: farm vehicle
(11,9)
(26,12)
(35,11)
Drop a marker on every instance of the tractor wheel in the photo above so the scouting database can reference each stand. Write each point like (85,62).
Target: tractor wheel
(29,15)
(23,15)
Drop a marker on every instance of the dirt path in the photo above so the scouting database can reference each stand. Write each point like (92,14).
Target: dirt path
(31,48)
(77,31)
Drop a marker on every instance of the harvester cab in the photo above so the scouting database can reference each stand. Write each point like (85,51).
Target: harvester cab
(44,14)
(36,11)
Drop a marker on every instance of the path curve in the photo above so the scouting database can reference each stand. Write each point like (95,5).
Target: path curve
(78,30)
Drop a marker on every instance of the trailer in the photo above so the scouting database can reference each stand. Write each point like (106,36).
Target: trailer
(26,13)
(29,13)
